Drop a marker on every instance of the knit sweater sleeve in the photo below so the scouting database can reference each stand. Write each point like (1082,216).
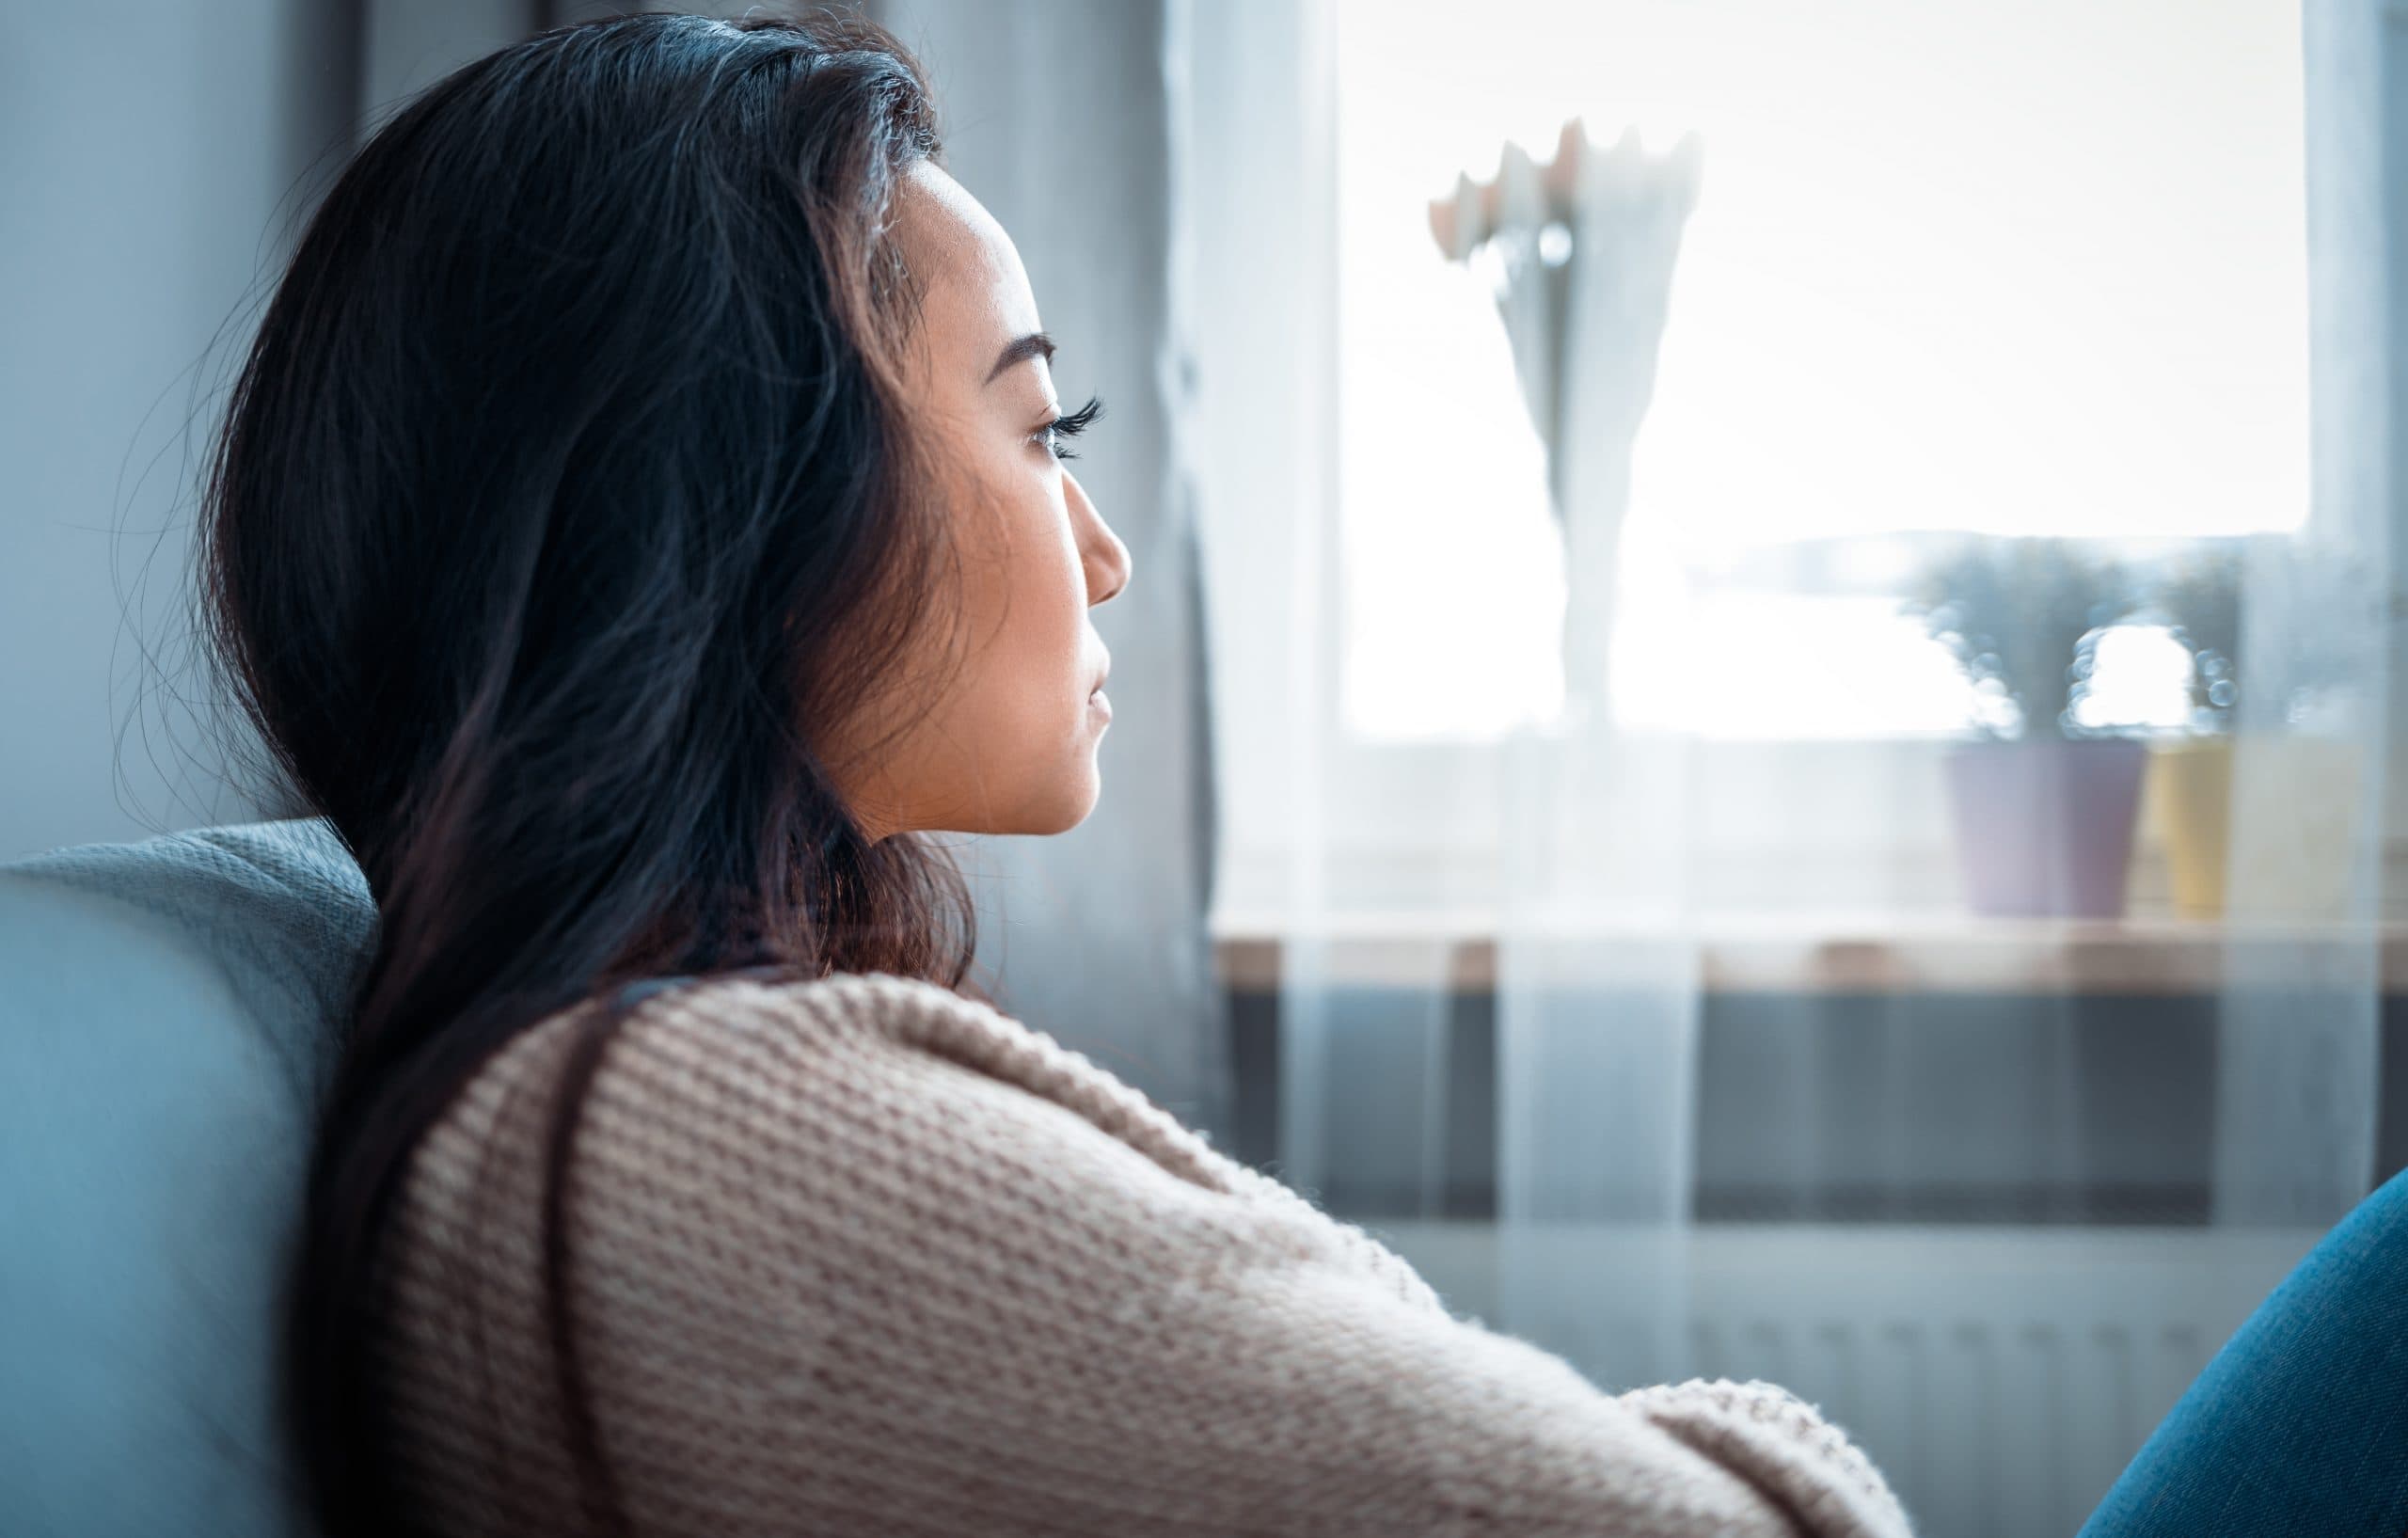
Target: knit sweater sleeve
(860,1255)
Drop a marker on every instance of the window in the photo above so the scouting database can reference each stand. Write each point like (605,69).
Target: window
(2019,268)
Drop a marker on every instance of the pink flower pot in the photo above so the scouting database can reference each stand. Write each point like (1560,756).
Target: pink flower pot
(2044,828)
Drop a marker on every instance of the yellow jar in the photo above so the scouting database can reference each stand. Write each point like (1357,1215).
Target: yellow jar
(2190,815)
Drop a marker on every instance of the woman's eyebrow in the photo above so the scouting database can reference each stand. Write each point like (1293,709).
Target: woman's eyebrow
(1035,345)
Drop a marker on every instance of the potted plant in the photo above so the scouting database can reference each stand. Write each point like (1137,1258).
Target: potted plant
(2044,806)
(2189,790)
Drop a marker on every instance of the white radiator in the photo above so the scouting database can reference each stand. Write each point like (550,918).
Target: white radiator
(2001,1377)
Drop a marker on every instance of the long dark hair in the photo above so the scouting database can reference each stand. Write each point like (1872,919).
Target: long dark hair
(564,502)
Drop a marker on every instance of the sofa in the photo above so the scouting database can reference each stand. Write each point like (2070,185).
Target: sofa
(164,1028)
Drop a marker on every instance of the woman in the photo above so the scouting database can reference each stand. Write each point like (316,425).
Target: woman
(643,511)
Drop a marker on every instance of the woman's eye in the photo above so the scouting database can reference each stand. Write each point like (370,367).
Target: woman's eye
(1054,435)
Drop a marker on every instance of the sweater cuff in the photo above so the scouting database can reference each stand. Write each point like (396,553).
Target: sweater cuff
(1783,1445)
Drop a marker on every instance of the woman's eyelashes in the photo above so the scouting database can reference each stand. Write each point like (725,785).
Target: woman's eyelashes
(1056,435)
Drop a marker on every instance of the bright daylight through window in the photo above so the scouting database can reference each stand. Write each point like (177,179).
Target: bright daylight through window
(2014,270)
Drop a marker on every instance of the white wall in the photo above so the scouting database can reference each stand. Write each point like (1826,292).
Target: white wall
(144,149)
(156,158)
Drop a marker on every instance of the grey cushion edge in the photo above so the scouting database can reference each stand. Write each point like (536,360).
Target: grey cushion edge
(280,907)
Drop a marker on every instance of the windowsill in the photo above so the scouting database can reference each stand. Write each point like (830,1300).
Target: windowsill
(1884,955)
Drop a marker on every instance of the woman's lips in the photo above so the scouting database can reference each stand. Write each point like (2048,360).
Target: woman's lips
(1101,704)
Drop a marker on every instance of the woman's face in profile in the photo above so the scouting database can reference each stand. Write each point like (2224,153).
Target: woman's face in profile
(1010,746)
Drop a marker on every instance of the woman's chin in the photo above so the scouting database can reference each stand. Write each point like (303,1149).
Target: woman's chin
(1082,790)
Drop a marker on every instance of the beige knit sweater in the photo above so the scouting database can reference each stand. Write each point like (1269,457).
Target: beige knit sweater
(862,1255)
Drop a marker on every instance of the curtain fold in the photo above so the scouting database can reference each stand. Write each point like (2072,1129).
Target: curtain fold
(2302,986)
(1597,971)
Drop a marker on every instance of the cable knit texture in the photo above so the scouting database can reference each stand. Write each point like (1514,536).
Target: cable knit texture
(859,1255)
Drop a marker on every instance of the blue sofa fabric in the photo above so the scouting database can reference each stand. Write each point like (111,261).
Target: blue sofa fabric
(166,1025)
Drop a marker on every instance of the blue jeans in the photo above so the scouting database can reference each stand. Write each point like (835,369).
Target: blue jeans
(2300,1424)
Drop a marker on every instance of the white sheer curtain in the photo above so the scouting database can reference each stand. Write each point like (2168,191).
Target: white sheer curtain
(2299,1027)
(1596,949)
(1706,1057)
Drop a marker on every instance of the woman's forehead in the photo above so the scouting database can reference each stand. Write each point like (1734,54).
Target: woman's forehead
(975,291)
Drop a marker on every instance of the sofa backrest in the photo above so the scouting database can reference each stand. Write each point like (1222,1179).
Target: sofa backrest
(167,1014)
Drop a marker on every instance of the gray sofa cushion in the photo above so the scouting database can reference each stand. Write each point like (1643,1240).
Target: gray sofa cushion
(166,1012)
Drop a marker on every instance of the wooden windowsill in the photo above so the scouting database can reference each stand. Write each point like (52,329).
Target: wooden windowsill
(2141,956)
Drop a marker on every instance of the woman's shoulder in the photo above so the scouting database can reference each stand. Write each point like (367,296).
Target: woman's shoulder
(849,1041)
(694,1027)
(739,1137)
(745,1078)
(721,1109)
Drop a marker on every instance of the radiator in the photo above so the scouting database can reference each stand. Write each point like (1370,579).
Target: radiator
(2001,1377)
